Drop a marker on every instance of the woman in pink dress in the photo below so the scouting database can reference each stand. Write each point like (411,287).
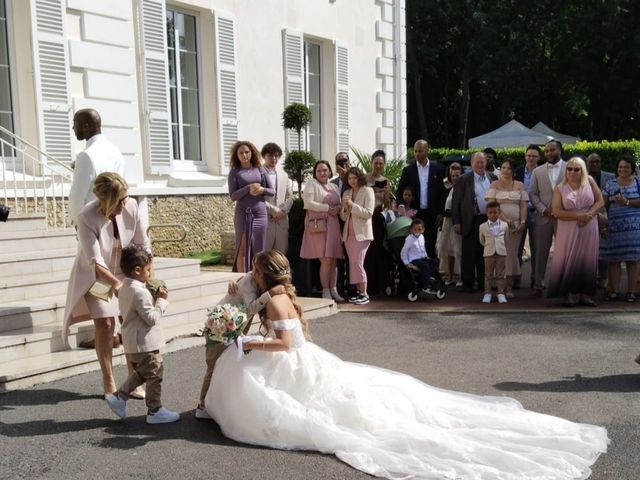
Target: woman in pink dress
(322,236)
(576,201)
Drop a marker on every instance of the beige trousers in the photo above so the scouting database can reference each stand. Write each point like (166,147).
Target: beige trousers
(147,368)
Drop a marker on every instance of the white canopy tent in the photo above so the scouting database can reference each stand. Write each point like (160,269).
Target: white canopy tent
(511,134)
(545,130)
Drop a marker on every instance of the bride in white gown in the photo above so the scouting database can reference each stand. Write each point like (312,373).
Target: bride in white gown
(288,393)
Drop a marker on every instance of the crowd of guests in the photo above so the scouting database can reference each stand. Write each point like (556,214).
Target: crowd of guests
(476,224)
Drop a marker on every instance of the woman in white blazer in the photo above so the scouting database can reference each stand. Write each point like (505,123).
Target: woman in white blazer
(358,203)
(321,237)
(105,226)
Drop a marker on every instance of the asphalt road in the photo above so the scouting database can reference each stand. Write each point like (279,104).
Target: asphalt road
(578,366)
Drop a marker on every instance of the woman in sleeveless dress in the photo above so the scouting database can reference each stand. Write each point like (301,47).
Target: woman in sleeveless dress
(574,266)
(288,393)
(513,198)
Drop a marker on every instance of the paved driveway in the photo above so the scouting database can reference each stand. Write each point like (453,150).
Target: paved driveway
(577,365)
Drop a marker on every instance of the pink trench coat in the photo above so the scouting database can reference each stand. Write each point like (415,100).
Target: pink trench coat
(95,245)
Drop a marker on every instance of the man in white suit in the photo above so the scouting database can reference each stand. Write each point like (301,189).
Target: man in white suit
(99,155)
(544,180)
(278,206)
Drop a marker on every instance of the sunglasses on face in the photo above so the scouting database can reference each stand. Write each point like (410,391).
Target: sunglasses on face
(569,169)
(123,200)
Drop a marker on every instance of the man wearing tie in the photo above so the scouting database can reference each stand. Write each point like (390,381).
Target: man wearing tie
(545,179)
(468,212)
(426,181)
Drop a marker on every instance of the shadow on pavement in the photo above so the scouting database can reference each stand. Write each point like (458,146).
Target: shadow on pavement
(47,396)
(626,383)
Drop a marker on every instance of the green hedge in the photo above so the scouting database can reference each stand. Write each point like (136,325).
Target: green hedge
(609,151)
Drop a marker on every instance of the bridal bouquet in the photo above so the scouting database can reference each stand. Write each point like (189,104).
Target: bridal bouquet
(224,323)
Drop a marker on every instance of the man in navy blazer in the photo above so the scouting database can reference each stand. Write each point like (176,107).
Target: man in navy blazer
(426,181)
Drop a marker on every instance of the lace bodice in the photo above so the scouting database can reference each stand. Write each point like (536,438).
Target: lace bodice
(293,324)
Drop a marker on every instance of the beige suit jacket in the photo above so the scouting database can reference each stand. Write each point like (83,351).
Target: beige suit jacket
(282,200)
(141,316)
(541,190)
(360,214)
(494,244)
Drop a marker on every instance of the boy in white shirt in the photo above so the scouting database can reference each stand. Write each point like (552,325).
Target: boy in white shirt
(492,235)
(141,336)
(414,254)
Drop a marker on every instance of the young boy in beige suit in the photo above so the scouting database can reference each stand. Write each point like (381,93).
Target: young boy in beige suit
(492,236)
(141,336)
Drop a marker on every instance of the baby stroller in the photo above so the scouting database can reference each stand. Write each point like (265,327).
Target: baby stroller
(400,277)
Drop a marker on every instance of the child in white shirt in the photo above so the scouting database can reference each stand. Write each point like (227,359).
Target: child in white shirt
(414,254)
(492,235)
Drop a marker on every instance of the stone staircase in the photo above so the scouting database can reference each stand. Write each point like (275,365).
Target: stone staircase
(34,269)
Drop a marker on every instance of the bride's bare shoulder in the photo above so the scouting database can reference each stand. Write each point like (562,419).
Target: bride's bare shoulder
(280,307)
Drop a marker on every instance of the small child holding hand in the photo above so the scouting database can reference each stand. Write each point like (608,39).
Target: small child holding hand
(141,336)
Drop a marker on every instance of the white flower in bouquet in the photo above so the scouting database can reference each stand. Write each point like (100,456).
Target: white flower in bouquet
(224,323)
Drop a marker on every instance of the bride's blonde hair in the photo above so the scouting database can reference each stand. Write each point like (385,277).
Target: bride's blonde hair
(275,270)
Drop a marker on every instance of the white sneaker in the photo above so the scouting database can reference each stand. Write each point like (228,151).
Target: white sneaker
(486,298)
(502,298)
(163,416)
(202,413)
(116,404)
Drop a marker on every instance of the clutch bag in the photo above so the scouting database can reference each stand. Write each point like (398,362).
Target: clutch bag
(102,291)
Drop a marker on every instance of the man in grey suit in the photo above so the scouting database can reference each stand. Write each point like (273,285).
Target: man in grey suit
(278,206)
(544,180)
(594,167)
(468,212)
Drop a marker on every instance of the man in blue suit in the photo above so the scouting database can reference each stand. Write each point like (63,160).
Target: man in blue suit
(425,178)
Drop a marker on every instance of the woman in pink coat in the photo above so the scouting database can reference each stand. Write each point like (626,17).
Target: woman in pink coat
(105,226)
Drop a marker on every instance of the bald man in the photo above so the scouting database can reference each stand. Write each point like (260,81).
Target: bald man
(99,155)
(426,181)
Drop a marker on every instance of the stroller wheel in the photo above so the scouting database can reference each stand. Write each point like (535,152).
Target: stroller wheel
(413,296)
(388,290)
(440,294)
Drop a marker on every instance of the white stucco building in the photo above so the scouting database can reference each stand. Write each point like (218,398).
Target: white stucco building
(177,82)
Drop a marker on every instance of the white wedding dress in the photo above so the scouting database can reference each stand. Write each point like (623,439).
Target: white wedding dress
(388,424)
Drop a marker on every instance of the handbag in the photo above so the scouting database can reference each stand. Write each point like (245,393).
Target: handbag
(317,225)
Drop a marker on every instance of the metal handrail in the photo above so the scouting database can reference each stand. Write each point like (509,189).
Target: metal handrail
(168,225)
(32,181)
(49,157)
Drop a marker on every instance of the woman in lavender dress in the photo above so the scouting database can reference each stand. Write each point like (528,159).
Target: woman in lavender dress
(248,185)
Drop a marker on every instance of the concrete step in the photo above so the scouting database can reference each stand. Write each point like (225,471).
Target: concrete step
(180,333)
(21,222)
(20,263)
(31,313)
(37,240)
(27,286)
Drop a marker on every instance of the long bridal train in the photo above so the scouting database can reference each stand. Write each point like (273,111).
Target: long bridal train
(389,424)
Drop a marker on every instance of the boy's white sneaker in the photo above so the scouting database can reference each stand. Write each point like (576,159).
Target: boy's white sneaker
(163,416)
(116,404)
(202,413)
(502,298)
(486,298)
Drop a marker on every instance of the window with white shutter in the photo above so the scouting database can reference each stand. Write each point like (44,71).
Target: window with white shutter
(182,52)
(155,75)
(226,70)
(342,97)
(50,72)
(294,78)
